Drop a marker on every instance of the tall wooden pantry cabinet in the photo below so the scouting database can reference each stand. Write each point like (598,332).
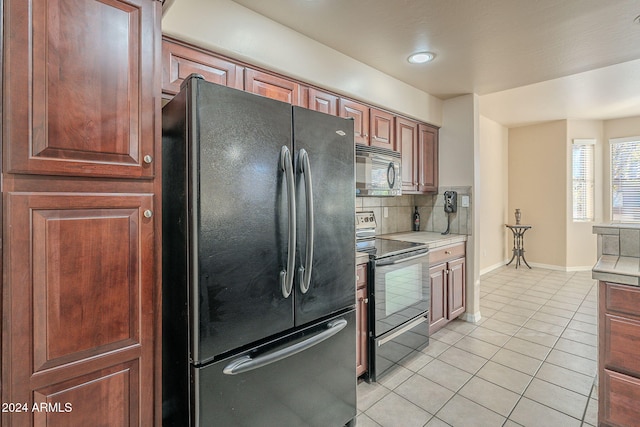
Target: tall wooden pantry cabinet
(81,212)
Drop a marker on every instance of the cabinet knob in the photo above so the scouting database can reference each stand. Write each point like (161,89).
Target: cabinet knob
(447,252)
(147,159)
(148,214)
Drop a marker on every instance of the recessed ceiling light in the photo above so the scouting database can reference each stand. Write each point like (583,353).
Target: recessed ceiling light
(421,57)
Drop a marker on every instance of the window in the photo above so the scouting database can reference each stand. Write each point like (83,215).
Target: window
(583,179)
(625,179)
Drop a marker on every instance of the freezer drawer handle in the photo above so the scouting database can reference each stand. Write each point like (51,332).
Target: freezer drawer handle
(286,276)
(246,363)
(305,272)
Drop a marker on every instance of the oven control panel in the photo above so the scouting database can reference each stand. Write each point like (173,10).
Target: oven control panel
(365,220)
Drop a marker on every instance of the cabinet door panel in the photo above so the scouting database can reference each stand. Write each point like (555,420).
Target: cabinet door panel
(382,129)
(428,154)
(179,61)
(323,102)
(80,100)
(360,115)
(271,86)
(621,341)
(619,403)
(80,276)
(438,312)
(362,339)
(456,288)
(407,144)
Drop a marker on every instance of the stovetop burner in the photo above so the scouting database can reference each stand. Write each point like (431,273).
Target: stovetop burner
(377,246)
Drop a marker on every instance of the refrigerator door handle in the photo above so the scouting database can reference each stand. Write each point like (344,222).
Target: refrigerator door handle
(246,363)
(305,271)
(286,276)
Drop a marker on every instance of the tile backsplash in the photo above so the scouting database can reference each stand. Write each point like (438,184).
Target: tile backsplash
(399,212)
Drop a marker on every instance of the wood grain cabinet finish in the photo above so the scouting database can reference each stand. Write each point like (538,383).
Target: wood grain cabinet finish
(427,158)
(362,327)
(323,102)
(448,285)
(618,355)
(79,326)
(179,61)
(79,87)
(407,144)
(382,129)
(360,115)
(272,86)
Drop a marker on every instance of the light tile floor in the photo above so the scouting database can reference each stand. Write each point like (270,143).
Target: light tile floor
(530,361)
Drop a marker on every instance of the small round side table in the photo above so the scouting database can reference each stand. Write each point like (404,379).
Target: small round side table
(518,243)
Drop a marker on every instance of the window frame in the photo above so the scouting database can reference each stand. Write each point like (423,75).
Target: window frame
(635,188)
(588,181)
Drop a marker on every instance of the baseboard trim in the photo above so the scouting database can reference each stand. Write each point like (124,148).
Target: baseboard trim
(469,317)
(493,267)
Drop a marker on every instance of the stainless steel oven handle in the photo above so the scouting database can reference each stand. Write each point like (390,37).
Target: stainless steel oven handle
(286,276)
(402,330)
(246,363)
(305,271)
(382,263)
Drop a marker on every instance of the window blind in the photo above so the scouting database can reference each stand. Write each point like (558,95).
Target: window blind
(583,180)
(625,179)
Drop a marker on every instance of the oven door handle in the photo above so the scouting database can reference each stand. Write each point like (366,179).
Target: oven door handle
(383,263)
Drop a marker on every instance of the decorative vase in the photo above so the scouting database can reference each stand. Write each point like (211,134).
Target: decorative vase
(518,216)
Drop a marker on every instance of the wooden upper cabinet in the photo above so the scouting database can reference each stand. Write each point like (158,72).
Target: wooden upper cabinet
(272,86)
(323,102)
(360,115)
(179,61)
(81,96)
(407,144)
(382,129)
(428,158)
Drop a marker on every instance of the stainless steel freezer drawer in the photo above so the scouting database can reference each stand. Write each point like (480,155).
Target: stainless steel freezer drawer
(313,387)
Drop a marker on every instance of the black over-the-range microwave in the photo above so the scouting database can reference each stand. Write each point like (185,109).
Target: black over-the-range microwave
(378,172)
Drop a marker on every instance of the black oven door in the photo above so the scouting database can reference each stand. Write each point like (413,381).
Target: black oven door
(401,290)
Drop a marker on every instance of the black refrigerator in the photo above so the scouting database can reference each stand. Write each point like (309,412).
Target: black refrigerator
(258,262)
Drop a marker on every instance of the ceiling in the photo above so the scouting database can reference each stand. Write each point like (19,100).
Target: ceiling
(568,59)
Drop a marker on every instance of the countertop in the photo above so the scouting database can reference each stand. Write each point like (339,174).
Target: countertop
(617,269)
(619,253)
(433,240)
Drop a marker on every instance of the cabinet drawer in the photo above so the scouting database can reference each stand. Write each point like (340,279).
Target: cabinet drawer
(622,299)
(621,340)
(361,276)
(446,253)
(619,403)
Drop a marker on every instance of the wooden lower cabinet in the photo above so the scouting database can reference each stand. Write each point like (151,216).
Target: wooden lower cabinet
(618,355)
(78,323)
(448,294)
(362,327)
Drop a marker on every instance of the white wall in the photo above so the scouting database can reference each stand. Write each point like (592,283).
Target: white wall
(459,166)
(231,29)
(537,186)
(493,192)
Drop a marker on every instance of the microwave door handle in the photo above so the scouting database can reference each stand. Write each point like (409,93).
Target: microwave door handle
(391,174)
(286,276)
(305,271)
